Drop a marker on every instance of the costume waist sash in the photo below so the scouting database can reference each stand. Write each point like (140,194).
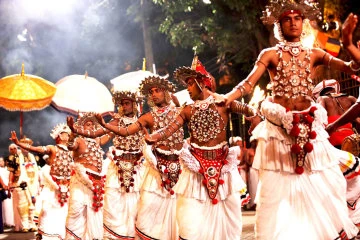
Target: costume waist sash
(169,167)
(211,163)
(126,163)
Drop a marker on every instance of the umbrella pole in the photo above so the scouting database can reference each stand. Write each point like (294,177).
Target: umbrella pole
(21,123)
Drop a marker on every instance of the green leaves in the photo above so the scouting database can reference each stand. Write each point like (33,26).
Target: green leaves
(228,27)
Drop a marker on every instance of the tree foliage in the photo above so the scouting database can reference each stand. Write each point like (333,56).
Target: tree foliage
(231,28)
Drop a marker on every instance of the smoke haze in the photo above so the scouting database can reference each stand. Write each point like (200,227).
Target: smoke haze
(59,38)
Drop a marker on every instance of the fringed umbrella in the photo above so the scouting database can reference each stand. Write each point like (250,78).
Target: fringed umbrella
(25,92)
(81,93)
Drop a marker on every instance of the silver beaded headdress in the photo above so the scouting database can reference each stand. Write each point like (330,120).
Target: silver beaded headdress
(280,8)
(58,129)
(158,82)
(85,117)
(197,71)
(118,96)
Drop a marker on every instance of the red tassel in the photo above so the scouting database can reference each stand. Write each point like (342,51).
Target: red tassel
(295,131)
(214,201)
(296,149)
(308,118)
(221,181)
(296,119)
(312,110)
(308,147)
(312,135)
(299,170)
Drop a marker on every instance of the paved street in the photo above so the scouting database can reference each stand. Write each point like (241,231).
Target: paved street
(248,225)
(248,230)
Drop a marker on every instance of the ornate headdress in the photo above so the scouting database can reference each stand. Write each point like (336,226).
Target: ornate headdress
(197,71)
(26,140)
(329,83)
(158,82)
(58,129)
(85,117)
(277,9)
(118,96)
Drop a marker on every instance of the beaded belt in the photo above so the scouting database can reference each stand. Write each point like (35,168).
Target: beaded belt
(169,168)
(171,157)
(211,163)
(209,154)
(130,156)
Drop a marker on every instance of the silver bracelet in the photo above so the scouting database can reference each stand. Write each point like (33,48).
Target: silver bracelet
(352,62)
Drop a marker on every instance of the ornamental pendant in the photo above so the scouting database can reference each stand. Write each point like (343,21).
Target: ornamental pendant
(295,51)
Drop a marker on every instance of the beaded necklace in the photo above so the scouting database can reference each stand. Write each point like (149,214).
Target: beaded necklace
(292,78)
(163,117)
(61,164)
(93,154)
(129,143)
(205,122)
(60,172)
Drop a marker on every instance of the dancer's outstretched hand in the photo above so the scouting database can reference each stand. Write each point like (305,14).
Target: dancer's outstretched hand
(100,119)
(70,122)
(348,28)
(13,137)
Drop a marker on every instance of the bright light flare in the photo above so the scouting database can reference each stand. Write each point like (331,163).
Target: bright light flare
(258,96)
(44,8)
(22,37)
(207,1)
(309,34)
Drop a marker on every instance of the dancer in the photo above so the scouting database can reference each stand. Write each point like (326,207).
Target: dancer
(56,179)
(300,180)
(156,210)
(85,216)
(327,94)
(210,187)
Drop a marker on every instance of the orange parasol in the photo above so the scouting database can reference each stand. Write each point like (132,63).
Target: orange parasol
(25,92)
